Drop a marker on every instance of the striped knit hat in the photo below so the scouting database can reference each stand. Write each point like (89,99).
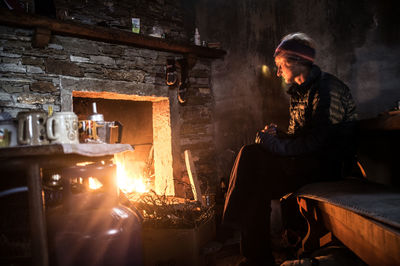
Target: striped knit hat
(296,48)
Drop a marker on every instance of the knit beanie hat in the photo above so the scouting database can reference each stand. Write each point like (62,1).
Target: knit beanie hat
(296,48)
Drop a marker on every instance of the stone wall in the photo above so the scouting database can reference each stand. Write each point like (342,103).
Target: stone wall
(33,78)
(358,41)
(165,14)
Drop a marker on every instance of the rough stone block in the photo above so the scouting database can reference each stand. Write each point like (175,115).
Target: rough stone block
(133,75)
(63,68)
(132,52)
(112,50)
(12,89)
(33,61)
(12,68)
(43,86)
(55,46)
(9,60)
(148,53)
(28,98)
(104,60)
(124,63)
(5,97)
(149,79)
(2,54)
(77,46)
(34,69)
(79,59)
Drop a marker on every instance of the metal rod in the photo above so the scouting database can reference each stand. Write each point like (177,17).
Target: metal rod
(94,107)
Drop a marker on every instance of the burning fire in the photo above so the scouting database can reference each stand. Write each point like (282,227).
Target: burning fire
(94,183)
(129,180)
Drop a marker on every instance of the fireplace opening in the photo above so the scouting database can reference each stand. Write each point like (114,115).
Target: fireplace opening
(146,126)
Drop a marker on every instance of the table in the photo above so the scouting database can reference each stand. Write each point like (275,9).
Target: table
(32,159)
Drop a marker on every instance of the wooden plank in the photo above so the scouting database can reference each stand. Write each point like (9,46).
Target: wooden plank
(41,38)
(84,149)
(75,29)
(193,178)
(384,122)
(372,241)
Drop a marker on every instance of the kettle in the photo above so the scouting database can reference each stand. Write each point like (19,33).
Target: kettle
(104,129)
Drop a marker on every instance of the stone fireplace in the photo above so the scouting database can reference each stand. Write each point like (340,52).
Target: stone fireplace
(129,79)
(146,126)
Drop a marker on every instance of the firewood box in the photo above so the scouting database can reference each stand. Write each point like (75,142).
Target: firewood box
(175,246)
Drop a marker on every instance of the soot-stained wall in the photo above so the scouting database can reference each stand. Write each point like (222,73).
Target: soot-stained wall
(358,41)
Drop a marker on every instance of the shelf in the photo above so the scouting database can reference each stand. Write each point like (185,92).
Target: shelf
(46,26)
(90,150)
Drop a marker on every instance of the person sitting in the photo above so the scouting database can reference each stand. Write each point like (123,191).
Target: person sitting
(318,142)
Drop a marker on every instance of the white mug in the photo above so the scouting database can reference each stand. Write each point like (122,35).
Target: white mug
(62,127)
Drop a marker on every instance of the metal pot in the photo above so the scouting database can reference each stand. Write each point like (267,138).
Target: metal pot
(104,129)
(105,132)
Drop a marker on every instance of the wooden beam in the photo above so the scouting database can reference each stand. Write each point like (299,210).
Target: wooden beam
(40,254)
(41,38)
(97,33)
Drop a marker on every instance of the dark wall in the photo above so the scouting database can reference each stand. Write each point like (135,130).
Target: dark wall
(358,41)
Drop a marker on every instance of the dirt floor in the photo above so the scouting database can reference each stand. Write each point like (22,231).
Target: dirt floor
(224,250)
(228,254)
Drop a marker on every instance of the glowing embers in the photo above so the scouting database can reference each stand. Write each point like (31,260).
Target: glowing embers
(131,178)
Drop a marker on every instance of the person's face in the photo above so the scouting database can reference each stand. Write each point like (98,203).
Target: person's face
(288,70)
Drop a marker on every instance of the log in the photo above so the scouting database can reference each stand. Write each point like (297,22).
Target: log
(193,178)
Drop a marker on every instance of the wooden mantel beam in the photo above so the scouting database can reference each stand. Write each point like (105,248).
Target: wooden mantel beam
(70,28)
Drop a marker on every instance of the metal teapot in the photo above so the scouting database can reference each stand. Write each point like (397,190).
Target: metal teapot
(105,128)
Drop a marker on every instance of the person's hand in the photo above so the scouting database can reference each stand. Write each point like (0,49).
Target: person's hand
(270,129)
(258,137)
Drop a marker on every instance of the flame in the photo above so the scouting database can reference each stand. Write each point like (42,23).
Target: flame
(129,181)
(94,183)
(84,163)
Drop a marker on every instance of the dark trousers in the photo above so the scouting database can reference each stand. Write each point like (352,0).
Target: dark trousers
(257,177)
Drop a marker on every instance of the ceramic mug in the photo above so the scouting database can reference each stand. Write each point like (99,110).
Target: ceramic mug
(31,128)
(8,133)
(88,131)
(62,127)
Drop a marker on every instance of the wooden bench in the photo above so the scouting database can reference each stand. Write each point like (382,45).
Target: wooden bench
(364,216)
